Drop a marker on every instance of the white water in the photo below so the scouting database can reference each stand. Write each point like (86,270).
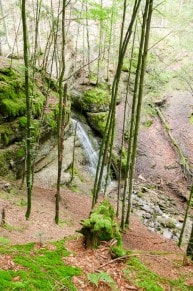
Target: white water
(89,150)
(91,153)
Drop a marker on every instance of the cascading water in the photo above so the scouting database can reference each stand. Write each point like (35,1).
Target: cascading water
(89,150)
(87,146)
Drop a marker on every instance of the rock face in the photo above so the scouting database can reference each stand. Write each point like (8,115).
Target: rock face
(13,116)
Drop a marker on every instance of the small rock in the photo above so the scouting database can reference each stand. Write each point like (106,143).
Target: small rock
(180,219)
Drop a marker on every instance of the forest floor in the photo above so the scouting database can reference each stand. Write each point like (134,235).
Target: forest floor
(161,256)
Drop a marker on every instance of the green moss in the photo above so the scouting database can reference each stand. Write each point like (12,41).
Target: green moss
(126,63)
(144,278)
(42,269)
(139,275)
(98,121)
(12,94)
(117,252)
(5,133)
(4,164)
(101,225)
(94,99)
(22,121)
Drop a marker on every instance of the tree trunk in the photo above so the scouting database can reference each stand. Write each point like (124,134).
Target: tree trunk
(62,105)
(28,112)
(189,251)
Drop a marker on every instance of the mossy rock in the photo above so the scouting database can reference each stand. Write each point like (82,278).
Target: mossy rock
(97,121)
(12,161)
(101,226)
(12,93)
(93,99)
(13,131)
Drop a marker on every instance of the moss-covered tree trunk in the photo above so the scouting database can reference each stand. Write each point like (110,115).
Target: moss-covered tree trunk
(101,226)
(28,112)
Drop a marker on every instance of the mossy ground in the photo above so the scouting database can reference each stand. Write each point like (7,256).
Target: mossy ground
(37,268)
(145,279)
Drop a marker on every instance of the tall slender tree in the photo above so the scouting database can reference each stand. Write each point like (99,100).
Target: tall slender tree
(144,43)
(106,146)
(62,105)
(28,112)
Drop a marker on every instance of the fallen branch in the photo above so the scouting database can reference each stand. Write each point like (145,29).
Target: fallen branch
(116,260)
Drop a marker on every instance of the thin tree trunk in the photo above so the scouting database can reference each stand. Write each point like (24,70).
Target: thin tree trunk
(189,251)
(124,122)
(28,112)
(147,26)
(109,129)
(62,104)
(185,217)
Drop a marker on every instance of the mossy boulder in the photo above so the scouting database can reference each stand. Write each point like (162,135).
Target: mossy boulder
(12,94)
(92,99)
(97,121)
(101,226)
(13,120)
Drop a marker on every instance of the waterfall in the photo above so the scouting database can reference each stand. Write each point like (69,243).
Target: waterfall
(89,150)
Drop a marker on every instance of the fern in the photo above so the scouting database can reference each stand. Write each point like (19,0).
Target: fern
(96,278)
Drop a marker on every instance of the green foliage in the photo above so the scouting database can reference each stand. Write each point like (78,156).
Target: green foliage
(96,278)
(41,269)
(101,225)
